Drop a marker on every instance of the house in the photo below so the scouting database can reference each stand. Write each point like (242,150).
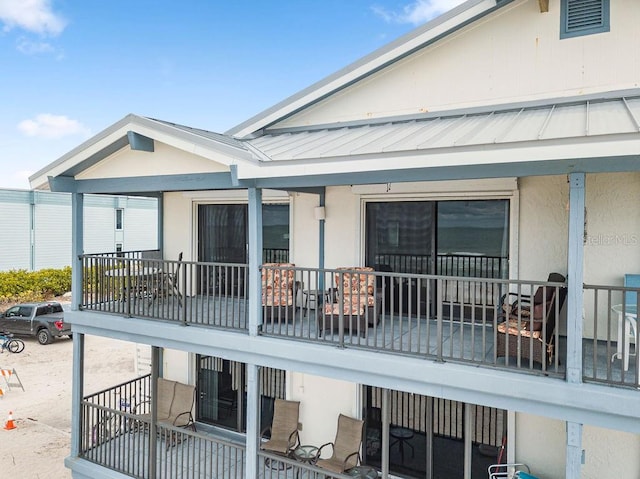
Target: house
(36,231)
(464,162)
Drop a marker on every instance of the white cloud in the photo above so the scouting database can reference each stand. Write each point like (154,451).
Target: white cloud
(35,16)
(33,48)
(50,126)
(417,12)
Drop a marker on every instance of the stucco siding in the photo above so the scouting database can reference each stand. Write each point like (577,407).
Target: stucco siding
(321,401)
(541,444)
(513,55)
(165,160)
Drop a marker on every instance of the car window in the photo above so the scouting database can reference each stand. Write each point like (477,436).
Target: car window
(12,311)
(57,308)
(24,311)
(42,310)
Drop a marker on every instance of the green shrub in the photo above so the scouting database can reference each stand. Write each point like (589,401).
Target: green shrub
(23,286)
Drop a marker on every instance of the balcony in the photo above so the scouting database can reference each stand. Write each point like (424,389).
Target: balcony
(114,435)
(444,318)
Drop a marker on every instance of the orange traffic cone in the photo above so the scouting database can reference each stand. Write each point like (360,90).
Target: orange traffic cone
(10,424)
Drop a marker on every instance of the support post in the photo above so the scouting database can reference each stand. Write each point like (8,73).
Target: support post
(253,419)
(153,430)
(575,269)
(255,259)
(574,451)
(321,225)
(386,420)
(77,393)
(77,248)
(160,232)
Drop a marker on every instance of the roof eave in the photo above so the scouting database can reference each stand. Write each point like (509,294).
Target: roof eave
(115,137)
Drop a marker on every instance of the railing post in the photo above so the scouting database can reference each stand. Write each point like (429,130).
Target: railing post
(77,248)
(341,311)
(183,266)
(77,423)
(439,326)
(127,278)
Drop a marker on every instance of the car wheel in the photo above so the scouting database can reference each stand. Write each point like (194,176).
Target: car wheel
(44,336)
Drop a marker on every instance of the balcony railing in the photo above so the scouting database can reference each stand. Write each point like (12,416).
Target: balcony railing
(115,435)
(447,318)
(611,332)
(208,294)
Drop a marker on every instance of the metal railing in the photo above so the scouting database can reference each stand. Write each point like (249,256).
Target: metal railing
(271,466)
(275,255)
(210,294)
(611,335)
(115,434)
(441,317)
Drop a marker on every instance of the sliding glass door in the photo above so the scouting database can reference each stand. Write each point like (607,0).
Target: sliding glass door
(222,238)
(431,437)
(467,238)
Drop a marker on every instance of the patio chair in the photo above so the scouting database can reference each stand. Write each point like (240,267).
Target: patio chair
(174,404)
(278,291)
(284,428)
(355,298)
(346,446)
(530,322)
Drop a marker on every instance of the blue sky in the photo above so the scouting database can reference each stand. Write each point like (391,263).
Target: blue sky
(71,68)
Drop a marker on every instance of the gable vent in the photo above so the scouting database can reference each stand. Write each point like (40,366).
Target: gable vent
(584,17)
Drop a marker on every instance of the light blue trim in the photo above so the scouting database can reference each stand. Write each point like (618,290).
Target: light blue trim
(575,276)
(139,142)
(255,259)
(161,223)
(77,248)
(253,419)
(144,184)
(321,234)
(77,393)
(495,170)
(568,32)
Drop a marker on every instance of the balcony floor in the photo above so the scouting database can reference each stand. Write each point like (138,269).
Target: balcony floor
(471,340)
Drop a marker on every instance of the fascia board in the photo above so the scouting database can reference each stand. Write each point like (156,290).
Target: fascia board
(619,146)
(440,26)
(178,138)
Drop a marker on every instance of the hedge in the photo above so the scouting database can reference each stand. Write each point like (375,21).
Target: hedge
(22,285)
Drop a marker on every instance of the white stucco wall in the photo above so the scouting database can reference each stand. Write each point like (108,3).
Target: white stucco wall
(304,242)
(321,401)
(541,444)
(175,366)
(543,228)
(515,54)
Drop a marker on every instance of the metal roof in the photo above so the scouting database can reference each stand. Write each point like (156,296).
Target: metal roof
(509,124)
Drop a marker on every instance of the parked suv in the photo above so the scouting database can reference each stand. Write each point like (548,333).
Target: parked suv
(45,321)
